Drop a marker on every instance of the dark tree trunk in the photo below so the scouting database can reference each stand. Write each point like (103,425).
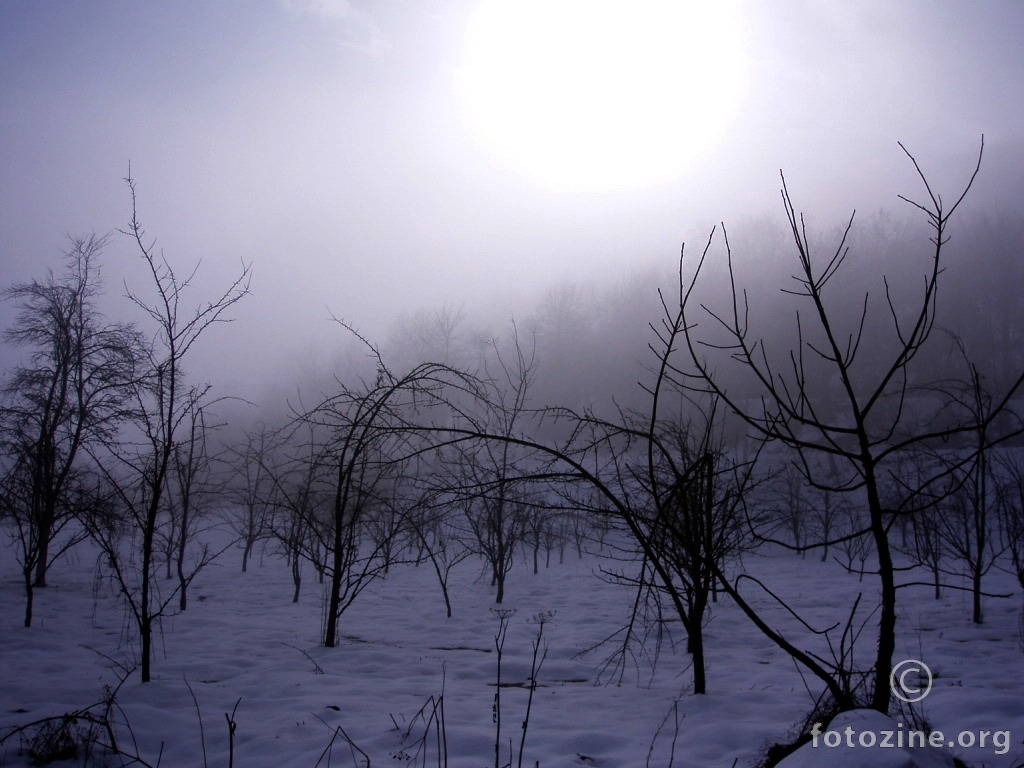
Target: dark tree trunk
(887,621)
(700,684)
(447,598)
(45,533)
(296,577)
(976,613)
(500,578)
(182,581)
(695,642)
(29,597)
(145,617)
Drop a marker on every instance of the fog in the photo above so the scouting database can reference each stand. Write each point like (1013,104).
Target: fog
(325,143)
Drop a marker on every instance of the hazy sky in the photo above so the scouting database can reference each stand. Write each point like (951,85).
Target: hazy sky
(374,157)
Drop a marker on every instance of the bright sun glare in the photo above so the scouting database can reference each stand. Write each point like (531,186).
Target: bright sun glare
(594,95)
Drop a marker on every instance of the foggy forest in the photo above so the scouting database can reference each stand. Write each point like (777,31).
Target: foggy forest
(512,383)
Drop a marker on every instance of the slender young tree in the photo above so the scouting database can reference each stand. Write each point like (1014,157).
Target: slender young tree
(192,489)
(698,527)
(250,487)
(299,495)
(1011,509)
(495,499)
(968,514)
(163,402)
(369,439)
(435,534)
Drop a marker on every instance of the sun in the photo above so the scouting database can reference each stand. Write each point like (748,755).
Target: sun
(594,95)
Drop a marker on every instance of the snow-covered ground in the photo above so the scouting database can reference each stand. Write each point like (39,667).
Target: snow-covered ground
(242,640)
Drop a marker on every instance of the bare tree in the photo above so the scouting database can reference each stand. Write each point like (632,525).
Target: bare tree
(493,510)
(697,526)
(540,528)
(853,540)
(1010,494)
(193,487)
(250,487)
(428,516)
(437,335)
(70,393)
(792,507)
(968,519)
(665,482)
(357,458)
(299,498)
(164,403)
(368,438)
(1011,508)
(927,545)
(386,524)
(866,426)
(825,515)
(495,495)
